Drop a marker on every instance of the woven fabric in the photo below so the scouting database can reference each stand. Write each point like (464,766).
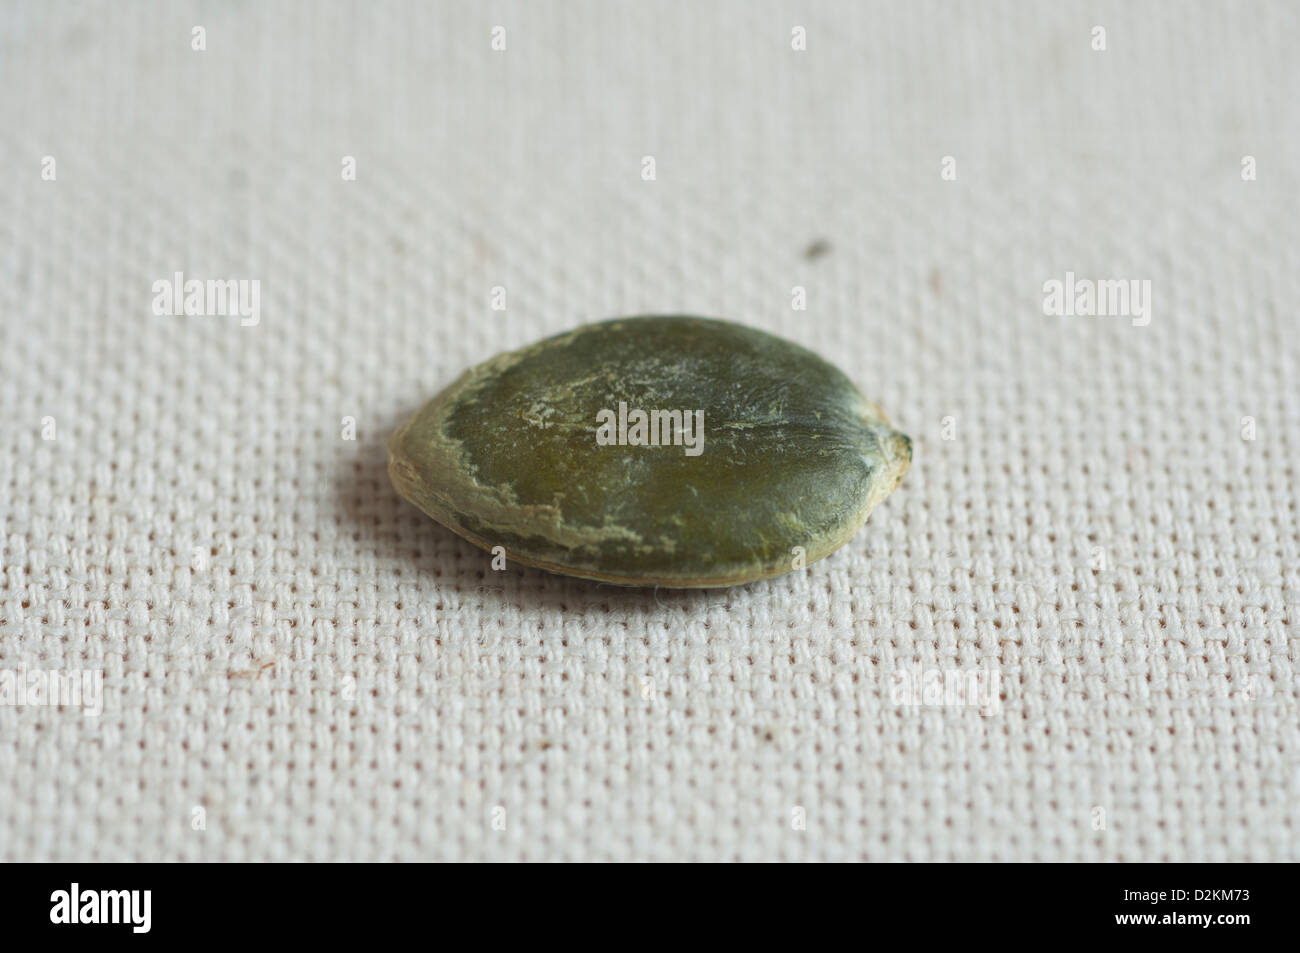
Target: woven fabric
(295,664)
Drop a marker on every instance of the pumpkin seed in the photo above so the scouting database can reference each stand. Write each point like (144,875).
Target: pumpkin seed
(674,451)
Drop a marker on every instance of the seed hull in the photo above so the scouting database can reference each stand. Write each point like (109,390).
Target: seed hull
(793,455)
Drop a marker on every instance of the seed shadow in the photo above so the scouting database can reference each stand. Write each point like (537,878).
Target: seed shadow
(400,539)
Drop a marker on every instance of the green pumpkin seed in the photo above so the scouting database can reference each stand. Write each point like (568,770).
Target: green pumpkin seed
(672,451)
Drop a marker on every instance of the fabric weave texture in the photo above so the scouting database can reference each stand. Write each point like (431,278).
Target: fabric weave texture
(298,665)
